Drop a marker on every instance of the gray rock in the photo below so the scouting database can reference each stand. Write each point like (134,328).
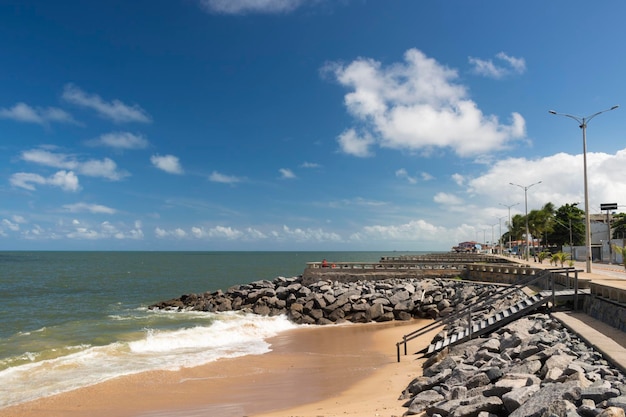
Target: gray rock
(539,403)
(423,400)
(481,404)
(513,399)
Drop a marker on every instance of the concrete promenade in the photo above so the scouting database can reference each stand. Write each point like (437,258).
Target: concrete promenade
(609,341)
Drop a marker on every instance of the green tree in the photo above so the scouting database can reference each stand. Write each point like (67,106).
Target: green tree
(517,229)
(568,217)
(540,222)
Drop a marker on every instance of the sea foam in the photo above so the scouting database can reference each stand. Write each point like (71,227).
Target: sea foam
(229,335)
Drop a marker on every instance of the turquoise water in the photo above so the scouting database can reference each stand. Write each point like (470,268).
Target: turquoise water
(72,319)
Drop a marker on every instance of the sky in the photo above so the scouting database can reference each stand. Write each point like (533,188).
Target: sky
(300,125)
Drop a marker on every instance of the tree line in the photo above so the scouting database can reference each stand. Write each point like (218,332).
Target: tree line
(558,227)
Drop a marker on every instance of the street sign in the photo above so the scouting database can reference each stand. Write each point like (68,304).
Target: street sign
(608,206)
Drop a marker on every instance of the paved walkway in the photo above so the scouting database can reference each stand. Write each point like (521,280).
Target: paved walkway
(608,340)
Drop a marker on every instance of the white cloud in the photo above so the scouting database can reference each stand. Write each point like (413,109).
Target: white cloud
(66,180)
(488,69)
(310,165)
(217,232)
(416,230)
(167,163)
(417,105)
(105,168)
(426,176)
(22,112)
(353,144)
(104,230)
(115,110)
(402,173)
(222,178)
(250,6)
(7,224)
(458,179)
(558,186)
(286,173)
(447,199)
(90,208)
(308,235)
(120,140)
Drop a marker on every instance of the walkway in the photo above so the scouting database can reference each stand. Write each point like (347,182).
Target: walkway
(607,340)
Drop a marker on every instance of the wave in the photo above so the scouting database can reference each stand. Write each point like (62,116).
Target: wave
(228,335)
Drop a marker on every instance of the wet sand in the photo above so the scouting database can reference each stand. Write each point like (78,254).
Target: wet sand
(311,372)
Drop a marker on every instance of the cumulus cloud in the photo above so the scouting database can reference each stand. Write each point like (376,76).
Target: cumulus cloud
(167,163)
(217,232)
(90,208)
(120,140)
(286,173)
(115,110)
(506,65)
(416,230)
(250,6)
(352,143)
(224,179)
(66,180)
(556,186)
(105,168)
(308,235)
(415,105)
(22,112)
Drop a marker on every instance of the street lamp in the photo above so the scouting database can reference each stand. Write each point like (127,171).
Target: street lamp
(500,231)
(510,225)
(525,188)
(582,123)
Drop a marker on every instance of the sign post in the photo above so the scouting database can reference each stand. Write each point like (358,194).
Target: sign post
(608,207)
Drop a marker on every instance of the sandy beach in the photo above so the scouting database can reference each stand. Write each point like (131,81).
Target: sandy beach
(311,372)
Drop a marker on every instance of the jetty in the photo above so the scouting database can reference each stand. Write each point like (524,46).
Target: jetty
(569,294)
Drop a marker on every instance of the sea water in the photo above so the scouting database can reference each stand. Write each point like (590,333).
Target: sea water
(73,319)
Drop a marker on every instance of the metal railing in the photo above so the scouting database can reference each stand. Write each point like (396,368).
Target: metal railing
(547,277)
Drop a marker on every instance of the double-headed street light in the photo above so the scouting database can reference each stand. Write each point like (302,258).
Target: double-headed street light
(525,188)
(582,123)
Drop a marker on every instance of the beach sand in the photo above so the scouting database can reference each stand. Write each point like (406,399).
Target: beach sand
(345,370)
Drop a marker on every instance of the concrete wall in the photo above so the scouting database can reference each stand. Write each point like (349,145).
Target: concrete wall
(607,311)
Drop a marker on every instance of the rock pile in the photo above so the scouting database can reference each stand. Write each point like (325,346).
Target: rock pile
(327,301)
(532,367)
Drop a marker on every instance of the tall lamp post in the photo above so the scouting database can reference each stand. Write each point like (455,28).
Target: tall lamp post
(510,225)
(500,230)
(525,188)
(582,123)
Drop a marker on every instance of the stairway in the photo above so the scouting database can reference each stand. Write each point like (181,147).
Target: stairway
(501,318)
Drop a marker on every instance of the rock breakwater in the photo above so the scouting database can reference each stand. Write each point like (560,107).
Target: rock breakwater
(327,301)
(530,368)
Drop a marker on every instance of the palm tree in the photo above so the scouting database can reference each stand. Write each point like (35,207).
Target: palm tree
(540,222)
(621,251)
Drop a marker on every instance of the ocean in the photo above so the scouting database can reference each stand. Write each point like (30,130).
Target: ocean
(74,319)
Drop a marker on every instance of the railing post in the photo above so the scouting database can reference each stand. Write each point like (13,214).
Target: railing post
(398,351)
(575,290)
(553,290)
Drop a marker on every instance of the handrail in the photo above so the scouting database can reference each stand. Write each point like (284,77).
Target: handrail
(482,299)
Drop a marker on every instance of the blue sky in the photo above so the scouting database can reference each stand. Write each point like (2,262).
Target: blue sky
(301,125)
